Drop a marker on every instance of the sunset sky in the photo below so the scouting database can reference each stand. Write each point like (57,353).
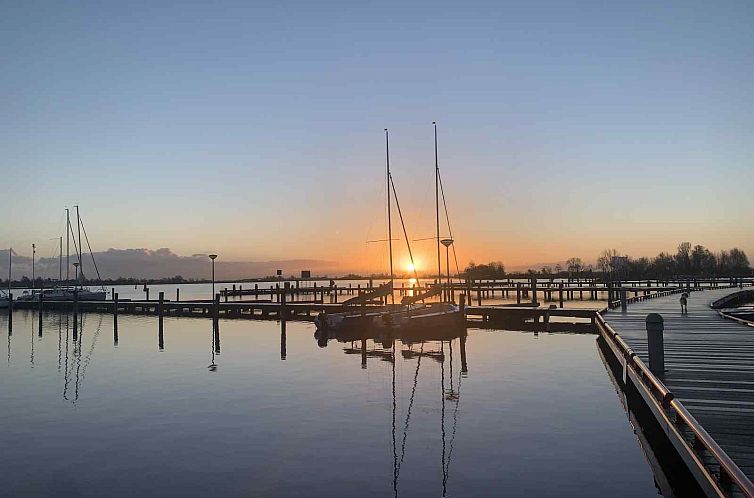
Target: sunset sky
(256,131)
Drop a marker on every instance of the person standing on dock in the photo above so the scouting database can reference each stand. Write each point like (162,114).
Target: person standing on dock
(684,303)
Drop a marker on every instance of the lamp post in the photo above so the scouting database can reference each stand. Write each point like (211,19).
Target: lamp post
(33,258)
(447,243)
(213,257)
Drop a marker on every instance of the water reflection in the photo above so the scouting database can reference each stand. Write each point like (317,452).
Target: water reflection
(384,423)
(414,345)
(75,372)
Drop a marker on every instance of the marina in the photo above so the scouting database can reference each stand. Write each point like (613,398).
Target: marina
(349,249)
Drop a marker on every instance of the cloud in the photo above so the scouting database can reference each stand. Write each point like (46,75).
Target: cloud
(161,263)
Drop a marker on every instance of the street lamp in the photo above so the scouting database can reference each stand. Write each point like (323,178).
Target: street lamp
(447,243)
(213,257)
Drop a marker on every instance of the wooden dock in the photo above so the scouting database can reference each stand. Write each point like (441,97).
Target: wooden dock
(708,380)
(485,316)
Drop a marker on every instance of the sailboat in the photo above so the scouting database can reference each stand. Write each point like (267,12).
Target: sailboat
(410,314)
(64,291)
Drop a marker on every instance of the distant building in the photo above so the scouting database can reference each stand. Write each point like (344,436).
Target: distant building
(306,274)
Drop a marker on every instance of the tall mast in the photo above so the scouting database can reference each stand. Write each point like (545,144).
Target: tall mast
(67,246)
(60,261)
(10,268)
(78,224)
(437,205)
(389,221)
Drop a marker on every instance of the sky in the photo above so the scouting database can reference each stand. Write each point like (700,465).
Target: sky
(255,130)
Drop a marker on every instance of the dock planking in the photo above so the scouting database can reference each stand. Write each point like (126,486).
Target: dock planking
(709,362)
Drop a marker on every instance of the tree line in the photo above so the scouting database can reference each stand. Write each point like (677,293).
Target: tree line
(687,261)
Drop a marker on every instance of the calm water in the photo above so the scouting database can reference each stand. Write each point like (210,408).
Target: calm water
(533,416)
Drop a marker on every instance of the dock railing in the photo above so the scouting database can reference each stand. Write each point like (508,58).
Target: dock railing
(713,469)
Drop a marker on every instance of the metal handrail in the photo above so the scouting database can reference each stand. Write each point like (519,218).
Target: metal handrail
(730,473)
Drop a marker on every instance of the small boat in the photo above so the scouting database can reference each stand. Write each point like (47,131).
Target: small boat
(3,300)
(64,290)
(64,294)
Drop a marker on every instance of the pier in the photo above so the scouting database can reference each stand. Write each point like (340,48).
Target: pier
(697,379)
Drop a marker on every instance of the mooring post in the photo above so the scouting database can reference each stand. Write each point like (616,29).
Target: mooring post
(560,293)
(160,335)
(226,294)
(40,313)
(160,303)
(216,310)
(363,353)
(10,313)
(518,292)
(623,300)
(146,290)
(655,343)
(479,293)
(112,292)
(534,291)
(177,294)
(283,294)
(115,318)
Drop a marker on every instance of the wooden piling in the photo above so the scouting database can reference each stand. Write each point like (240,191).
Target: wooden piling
(160,312)
(560,294)
(115,318)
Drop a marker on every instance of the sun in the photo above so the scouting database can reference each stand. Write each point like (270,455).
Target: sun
(410,267)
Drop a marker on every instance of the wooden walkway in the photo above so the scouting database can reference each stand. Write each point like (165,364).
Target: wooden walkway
(709,363)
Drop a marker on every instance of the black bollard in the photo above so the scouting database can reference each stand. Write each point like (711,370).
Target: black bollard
(115,318)
(160,311)
(655,343)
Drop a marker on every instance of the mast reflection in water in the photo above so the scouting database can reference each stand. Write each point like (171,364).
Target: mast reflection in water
(448,413)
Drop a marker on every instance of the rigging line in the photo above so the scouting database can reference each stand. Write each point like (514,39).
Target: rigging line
(91,349)
(90,250)
(403,225)
(447,218)
(410,405)
(453,432)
